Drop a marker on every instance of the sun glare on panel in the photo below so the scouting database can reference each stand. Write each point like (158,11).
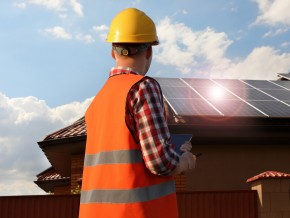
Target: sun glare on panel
(216,93)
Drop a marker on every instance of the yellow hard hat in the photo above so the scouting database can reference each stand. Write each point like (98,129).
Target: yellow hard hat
(132,26)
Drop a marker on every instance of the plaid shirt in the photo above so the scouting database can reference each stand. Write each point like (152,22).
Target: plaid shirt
(147,123)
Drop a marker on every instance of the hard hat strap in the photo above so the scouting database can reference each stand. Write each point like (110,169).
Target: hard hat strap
(126,50)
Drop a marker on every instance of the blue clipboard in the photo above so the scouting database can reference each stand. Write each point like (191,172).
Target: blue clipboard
(179,139)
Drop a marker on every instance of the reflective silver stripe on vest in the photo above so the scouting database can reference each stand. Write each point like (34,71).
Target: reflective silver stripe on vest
(129,195)
(113,157)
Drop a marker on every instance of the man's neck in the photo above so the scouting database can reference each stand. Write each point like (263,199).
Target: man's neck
(136,68)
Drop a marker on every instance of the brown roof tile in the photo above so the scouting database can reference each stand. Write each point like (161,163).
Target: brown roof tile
(49,179)
(50,174)
(269,175)
(78,128)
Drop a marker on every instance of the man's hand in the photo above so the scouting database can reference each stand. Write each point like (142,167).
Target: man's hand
(187,146)
(187,162)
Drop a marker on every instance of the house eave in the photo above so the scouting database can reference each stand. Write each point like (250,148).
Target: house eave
(48,185)
(51,142)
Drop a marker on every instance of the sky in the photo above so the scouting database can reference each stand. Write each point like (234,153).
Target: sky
(54,58)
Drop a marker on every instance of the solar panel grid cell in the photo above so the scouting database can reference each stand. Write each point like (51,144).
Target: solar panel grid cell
(171,82)
(179,92)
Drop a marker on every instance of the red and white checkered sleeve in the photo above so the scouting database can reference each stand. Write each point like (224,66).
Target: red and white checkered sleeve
(146,120)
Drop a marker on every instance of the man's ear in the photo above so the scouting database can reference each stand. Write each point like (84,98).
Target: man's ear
(149,52)
(113,54)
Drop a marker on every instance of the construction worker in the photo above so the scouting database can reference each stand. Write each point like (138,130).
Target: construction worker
(129,162)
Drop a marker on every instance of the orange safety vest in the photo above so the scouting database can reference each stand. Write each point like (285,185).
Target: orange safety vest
(116,182)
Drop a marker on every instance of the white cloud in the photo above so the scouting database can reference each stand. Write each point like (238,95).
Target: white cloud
(136,2)
(184,48)
(184,12)
(261,63)
(77,7)
(203,54)
(273,12)
(20,5)
(58,32)
(57,5)
(285,44)
(85,38)
(60,6)
(24,122)
(230,6)
(276,32)
(179,12)
(101,30)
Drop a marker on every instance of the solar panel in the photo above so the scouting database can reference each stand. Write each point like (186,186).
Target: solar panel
(222,97)
(231,84)
(281,94)
(261,84)
(179,92)
(204,83)
(282,84)
(272,108)
(192,107)
(171,82)
(215,92)
(251,94)
(236,108)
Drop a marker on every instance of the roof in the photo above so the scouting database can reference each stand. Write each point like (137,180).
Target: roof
(78,128)
(50,174)
(190,104)
(269,175)
(49,178)
(60,145)
(190,98)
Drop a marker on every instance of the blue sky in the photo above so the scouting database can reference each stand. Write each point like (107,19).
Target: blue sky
(54,59)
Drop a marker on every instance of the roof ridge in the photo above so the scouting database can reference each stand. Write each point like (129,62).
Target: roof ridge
(269,175)
(69,129)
